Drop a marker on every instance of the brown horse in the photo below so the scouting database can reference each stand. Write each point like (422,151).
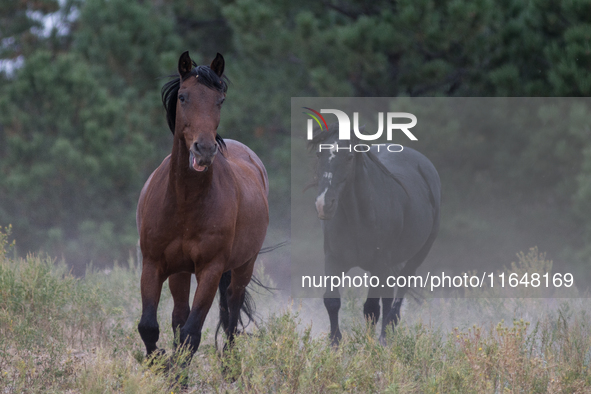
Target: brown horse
(203,211)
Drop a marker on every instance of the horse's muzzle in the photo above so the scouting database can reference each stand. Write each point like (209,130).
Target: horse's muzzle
(201,156)
(325,207)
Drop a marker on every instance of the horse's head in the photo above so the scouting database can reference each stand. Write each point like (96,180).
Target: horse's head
(193,103)
(334,167)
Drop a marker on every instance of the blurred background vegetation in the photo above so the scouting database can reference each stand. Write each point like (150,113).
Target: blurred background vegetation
(82,126)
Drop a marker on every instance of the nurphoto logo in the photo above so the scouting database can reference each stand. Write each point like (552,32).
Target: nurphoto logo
(345,129)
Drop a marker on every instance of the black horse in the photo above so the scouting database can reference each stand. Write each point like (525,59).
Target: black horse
(380,212)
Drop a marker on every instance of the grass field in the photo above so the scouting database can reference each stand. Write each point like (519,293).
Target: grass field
(60,334)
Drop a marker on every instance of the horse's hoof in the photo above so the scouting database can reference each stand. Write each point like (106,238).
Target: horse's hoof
(335,339)
(157,357)
(228,375)
(182,379)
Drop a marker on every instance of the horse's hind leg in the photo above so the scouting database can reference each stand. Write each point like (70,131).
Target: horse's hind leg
(151,287)
(332,306)
(386,307)
(393,316)
(396,306)
(236,294)
(371,308)
(180,288)
(224,311)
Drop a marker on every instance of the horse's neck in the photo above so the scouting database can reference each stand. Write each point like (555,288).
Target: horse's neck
(183,182)
(358,195)
(360,181)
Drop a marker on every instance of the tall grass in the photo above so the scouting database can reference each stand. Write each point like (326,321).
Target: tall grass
(59,333)
(62,334)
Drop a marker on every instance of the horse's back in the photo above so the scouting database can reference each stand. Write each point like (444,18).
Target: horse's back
(246,162)
(415,171)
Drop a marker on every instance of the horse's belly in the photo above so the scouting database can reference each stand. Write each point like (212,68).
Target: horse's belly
(251,225)
(375,248)
(247,245)
(417,230)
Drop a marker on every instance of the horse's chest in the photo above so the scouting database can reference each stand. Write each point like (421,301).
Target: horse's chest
(194,246)
(183,241)
(176,258)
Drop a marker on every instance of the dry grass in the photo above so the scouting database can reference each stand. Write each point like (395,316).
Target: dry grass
(62,334)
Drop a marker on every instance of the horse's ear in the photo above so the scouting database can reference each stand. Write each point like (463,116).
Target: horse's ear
(217,65)
(185,64)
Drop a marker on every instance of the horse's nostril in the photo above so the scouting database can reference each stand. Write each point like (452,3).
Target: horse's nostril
(205,149)
(211,149)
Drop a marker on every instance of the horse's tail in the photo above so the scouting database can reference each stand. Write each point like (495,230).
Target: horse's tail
(248,306)
(271,248)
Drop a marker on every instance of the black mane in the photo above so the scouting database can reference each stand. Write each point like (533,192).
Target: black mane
(170,90)
(319,136)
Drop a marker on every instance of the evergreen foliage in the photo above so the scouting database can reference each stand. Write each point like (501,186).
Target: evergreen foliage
(81,124)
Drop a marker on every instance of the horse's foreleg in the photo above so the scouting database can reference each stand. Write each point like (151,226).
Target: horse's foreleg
(332,299)
(371,307)
(207,284)
(180,287)
(332,307)
(151,287)
(235,295)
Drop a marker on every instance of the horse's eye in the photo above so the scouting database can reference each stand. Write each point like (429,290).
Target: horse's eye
(182,98)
